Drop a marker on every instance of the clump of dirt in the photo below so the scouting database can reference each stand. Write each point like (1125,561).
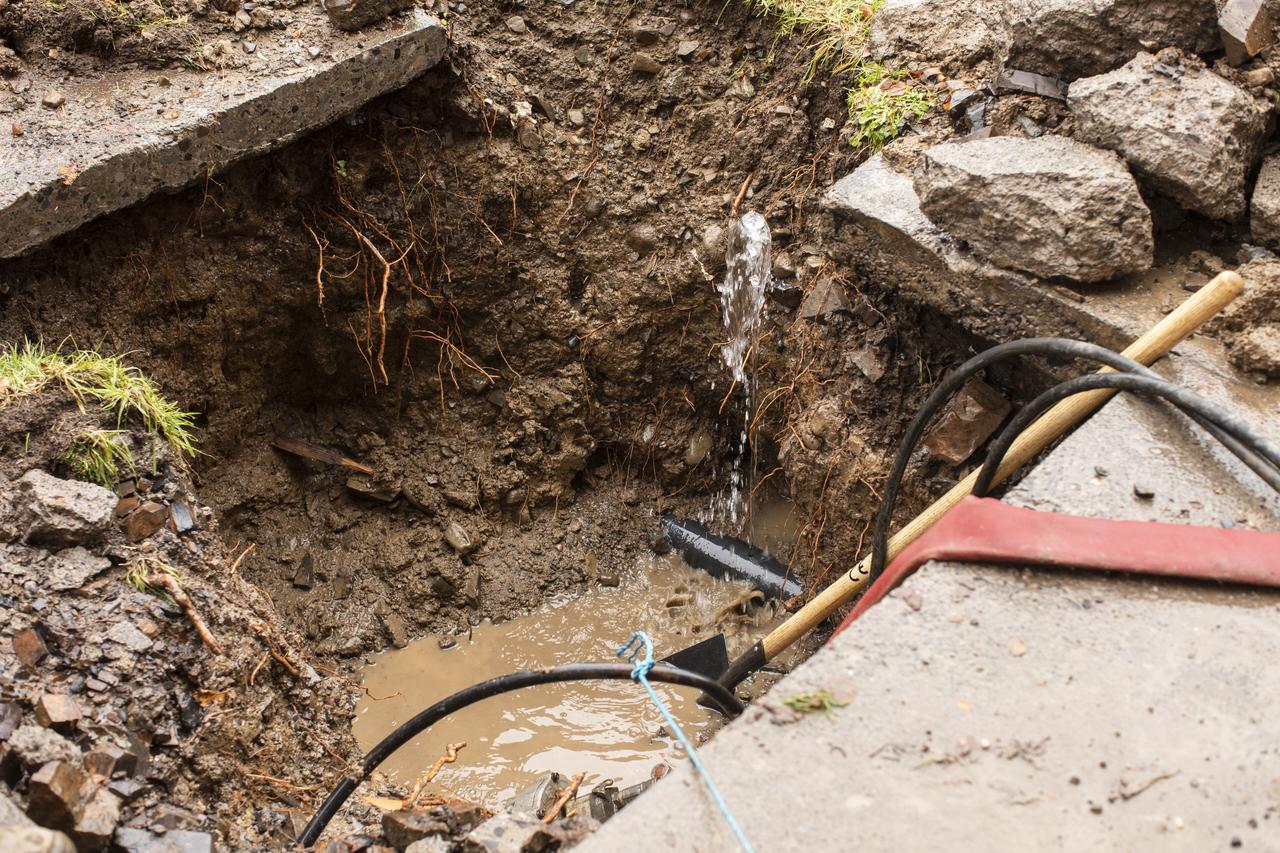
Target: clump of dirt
(104,674)
(1250,327)
(495,289)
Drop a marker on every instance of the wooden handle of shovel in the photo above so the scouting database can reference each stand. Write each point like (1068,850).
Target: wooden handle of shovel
(1185,319)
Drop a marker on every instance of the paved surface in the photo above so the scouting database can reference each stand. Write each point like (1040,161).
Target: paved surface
(1004,709)
(120,138)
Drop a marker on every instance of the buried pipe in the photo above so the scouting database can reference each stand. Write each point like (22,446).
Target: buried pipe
(426,718)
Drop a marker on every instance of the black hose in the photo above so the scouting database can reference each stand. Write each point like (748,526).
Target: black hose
(494,687)
(1048,346)
(1188,401)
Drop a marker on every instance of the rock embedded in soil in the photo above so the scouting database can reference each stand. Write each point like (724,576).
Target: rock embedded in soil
(1257,350)
(351,15)
(36,746)
(29,647)
(1187,132)
(1078,38)
(956,33)
(967,421)
(56,795)
(57,513)
(1050,206)
(58,711)
(1247,29)
(34,839)
(1264,206)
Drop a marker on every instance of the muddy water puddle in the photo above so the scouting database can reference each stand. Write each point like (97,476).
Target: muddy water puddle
(607,729)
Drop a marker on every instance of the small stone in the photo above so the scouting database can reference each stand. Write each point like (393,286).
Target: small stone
(1257,350)
(406,826)
(128,635)
(1260,78)
(29,647)
(1018,648)
(1264,206)
(56,793)
(72,568)
(1143,491)
(60,513)
(686,49)
(97,820)
(58,711)
(609,579)
(824,299)
(53,100)
(517,25)
(577,117)
(967,422)
(104,759)
(582,55)
(15,129)
(642,239)
(1096,808)
(351,15)
(646,36)
(248,46)
(1246,29)
(313,51)
(459,539)
(304,575)
(145,521)
(447,642)
(643,63)
(397,630)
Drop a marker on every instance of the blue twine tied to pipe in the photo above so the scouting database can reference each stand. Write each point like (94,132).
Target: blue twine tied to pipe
(640,640)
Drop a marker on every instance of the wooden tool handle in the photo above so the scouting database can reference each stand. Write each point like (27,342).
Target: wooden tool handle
(1185,319)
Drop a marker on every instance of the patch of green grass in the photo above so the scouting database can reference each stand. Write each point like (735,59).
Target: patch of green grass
(89,375)
(816,702)
(96,455)
(882,102)
(834,30)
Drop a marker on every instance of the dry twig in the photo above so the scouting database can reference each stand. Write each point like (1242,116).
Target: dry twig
(565,796)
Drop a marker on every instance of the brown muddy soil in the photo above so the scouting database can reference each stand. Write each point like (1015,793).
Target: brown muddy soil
(496,289)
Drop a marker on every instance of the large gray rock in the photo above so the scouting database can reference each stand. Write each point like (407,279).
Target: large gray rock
(63,512)
(1077,38)
(1187,132)
(36,746)
(1051,206)
(1264,209)
(954,33)
(34,839)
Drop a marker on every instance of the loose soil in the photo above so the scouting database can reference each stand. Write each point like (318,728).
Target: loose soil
(496,289)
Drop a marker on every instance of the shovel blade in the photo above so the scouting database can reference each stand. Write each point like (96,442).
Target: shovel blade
(709,657)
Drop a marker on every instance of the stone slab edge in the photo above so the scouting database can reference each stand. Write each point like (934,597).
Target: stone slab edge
(222,129)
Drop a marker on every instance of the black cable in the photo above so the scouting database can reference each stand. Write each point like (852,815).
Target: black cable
(1048,346)
(1188,401)
(424,719)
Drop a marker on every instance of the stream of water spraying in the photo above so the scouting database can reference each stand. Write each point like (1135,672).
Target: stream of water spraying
(748,263)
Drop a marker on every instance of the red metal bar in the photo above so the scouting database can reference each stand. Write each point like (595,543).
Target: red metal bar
(985,530)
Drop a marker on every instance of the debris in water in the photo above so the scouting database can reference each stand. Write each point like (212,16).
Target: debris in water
(814,702)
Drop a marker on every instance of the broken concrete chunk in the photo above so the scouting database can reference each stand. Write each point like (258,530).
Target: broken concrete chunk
(132,840)
(956,33)
(1188,133)
(1050,206)
(968,421)
(1246,28)
(97,820)
(59,513)
(36,746)
(34,839)
(1079,38)
(1264,207)
(1257,350)
(352,15)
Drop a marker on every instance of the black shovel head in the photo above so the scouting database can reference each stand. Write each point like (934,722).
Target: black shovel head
(709,657)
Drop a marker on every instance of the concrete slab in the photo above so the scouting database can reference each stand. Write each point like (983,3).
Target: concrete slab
(996,709)
(122,137)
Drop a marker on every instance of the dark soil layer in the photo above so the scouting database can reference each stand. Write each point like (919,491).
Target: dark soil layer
(496,288)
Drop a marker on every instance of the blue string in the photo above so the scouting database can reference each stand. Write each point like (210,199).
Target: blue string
(640,640)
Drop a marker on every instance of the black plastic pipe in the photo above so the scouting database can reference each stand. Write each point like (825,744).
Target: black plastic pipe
(424,719)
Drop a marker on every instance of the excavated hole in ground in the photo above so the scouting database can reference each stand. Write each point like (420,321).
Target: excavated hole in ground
(550,349)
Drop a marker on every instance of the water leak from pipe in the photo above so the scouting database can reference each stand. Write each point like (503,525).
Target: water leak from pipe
(748,264)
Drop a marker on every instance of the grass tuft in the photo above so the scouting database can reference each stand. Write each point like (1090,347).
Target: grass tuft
(95,455)
(882,102)
(88,375)
(142,568)
(834,30)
